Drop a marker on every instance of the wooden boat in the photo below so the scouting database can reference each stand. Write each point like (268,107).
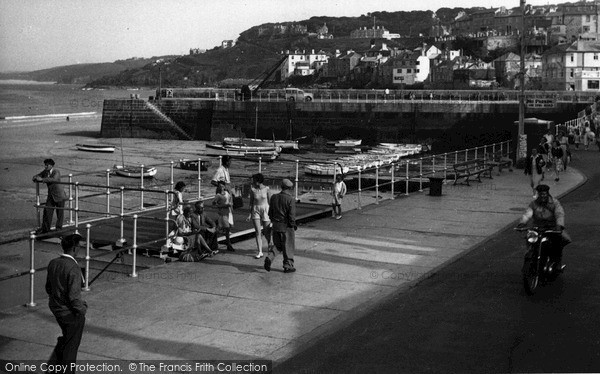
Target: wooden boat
(325,169)
(283,144)
(135,171)
(265,153)
(193,165)
(105,148)
(345,143)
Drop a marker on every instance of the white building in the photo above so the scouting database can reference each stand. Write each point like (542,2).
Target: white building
(303,63)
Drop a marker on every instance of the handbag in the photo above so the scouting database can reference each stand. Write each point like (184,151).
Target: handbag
(238,201)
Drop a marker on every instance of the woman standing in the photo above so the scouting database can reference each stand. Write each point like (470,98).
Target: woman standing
(177,200)
(535,169)
(259,211)
(224,203)
(557,159)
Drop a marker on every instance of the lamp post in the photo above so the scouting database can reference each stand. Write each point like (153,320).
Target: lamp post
(522,138)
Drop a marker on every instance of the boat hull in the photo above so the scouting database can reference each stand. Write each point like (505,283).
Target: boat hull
(193,165)
(135,171)
(104,148)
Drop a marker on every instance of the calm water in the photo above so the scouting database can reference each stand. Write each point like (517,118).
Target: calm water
(31,98)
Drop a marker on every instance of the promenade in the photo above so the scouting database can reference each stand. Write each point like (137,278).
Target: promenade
(229,308)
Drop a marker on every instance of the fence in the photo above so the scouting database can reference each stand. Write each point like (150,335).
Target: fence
(384,176)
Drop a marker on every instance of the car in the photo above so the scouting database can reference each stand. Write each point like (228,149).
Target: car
(296,94)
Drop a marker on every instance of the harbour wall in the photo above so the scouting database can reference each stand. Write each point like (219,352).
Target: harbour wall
(467,122)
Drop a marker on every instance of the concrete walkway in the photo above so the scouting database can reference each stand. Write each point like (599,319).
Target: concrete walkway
(229,307)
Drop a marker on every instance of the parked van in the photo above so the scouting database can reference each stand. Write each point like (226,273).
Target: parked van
(296,94)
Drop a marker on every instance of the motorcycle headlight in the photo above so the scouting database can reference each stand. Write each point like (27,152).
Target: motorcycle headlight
(532,236)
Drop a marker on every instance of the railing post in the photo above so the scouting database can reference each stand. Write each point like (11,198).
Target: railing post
(433,164)
(71,199)
(141,187)
(260,164)
(456,157)
(31,302)
(476,148)
(359,188)
(108,192)
(199,179)
(296,181)
(445,166)
(86,286)
(393,167)
(37,204)
(421,174)
(407,179)
(122,237)
(167,210)
(467,154)
(76,206)
(172,176)
(134,247)
(377,183)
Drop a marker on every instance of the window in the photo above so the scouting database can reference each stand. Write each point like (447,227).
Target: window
(572,58)
(593,84)
(408,70)
(417,70)
(571,75)
(595,57)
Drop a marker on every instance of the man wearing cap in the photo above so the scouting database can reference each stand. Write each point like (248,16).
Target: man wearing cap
(282,211)
(63,286)
(547,212)
(56,196)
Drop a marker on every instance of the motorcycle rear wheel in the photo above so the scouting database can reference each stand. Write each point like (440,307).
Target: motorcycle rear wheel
(531,277)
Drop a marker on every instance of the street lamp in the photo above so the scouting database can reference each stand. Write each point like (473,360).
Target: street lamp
(522,138)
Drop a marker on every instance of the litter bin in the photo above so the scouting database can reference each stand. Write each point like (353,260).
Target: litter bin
(435,186)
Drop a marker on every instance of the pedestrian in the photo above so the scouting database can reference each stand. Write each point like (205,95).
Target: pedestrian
(177,200)
(56,196)
(543,149)
(576,137)
(63,286)
(564,146)
(205,229)
(557,159)
(338,192)
(224,203)
(282,211)
(535,169)
(222,173)
(259,211)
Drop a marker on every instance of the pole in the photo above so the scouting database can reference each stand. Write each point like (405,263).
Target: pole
(522,153)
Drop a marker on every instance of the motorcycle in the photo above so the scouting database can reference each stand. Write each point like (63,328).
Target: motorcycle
(541,262)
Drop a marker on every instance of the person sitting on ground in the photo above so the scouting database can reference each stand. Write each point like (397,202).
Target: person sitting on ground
(185,232)
(547,213)
(205,229)
(224,203)
(259,211)
(338,192)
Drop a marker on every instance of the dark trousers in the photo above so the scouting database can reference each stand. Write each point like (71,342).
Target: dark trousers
(67,345)
(49,211)
(285,243)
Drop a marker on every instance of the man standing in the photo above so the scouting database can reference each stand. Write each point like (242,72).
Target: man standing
(222,173)
(56,196)
(63,286)
(282,211)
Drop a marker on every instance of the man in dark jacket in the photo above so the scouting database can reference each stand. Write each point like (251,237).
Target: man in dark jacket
(282,211)
(63,286)
(56,196)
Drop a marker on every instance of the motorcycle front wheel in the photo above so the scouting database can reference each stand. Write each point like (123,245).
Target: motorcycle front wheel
(531,277)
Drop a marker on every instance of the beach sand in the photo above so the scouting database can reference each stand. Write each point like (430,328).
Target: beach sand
(25,144)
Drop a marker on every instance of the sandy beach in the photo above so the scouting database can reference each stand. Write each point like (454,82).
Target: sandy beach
(25,144)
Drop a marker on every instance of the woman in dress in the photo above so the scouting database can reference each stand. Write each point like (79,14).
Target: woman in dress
(535,169)
(259,211)
(557,159)
(177,200)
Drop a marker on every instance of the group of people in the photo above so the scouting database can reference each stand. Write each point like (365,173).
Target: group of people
(588,133)
(552,155)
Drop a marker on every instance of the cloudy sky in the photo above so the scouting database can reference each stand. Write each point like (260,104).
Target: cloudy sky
(37,34)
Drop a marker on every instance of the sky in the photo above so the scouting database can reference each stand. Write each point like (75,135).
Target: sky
(39,34)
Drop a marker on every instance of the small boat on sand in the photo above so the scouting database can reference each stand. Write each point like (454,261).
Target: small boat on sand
(135,171)
(345,143)
(193,165)
(283,144)
(105,148)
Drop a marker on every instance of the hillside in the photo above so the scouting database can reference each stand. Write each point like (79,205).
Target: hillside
(80,73)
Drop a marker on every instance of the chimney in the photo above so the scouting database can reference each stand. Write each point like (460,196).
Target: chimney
(312,52)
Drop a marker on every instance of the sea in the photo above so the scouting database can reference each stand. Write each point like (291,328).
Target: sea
(21,100)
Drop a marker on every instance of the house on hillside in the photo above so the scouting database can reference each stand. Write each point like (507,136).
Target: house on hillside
(377,32)
(303,63)
(568,66)
(341,65)
(508,66)
(407,68)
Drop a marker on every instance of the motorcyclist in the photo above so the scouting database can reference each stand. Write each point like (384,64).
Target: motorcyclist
(547,213)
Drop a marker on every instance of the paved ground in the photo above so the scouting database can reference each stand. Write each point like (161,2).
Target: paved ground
(473,316)
(229,307)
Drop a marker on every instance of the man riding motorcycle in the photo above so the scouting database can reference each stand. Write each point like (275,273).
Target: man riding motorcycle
(547,213)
